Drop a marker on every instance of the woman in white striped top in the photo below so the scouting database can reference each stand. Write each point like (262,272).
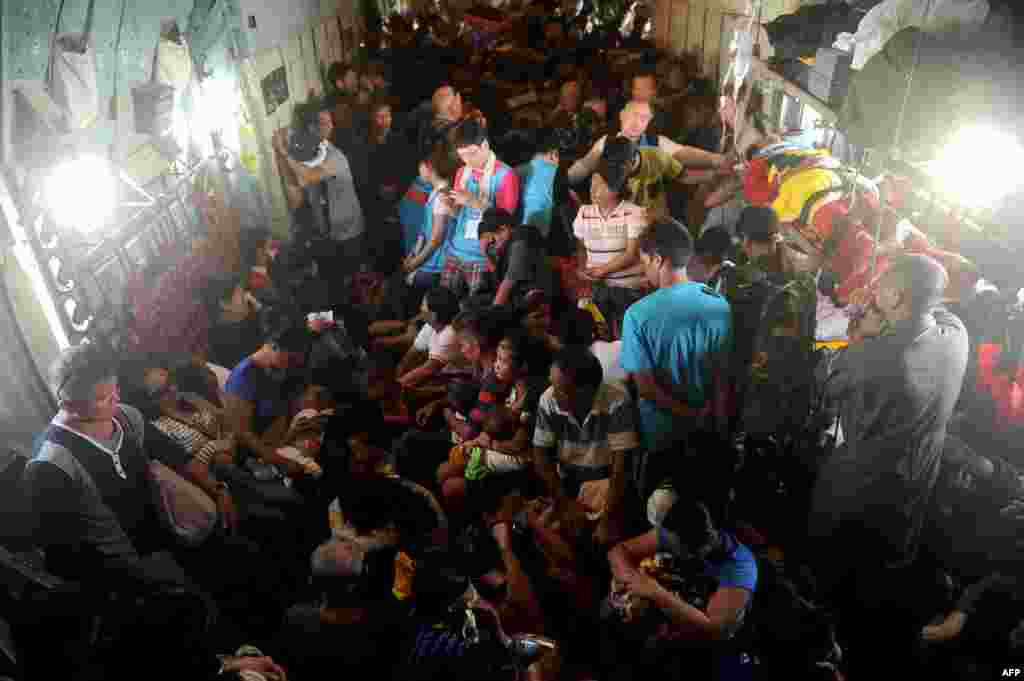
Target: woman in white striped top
(607,233)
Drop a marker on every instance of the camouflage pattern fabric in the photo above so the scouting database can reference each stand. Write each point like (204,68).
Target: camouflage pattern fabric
(776,383)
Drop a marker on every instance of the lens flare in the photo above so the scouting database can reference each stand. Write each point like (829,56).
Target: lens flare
(980,166)
(81,193)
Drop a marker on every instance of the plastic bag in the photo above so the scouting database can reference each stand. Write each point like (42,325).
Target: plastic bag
(73,80)
(173,64)
(892,16)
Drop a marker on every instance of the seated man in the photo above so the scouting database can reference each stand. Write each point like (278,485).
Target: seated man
(516,255)
(254,394)
(436,344)
(234,320)
(358,608)
(88,483)
(585,433)
(699,550)
(373,507)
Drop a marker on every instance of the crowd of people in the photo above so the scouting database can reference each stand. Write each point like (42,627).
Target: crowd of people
(499,408)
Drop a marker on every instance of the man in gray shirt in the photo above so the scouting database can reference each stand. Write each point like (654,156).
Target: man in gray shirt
(897,385)
(325,178)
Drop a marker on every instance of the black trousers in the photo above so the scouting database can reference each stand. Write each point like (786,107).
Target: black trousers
(418,453)
(338,261)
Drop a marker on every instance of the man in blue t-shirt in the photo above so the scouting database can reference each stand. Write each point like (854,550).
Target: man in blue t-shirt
(699,549)
(537,184)
(673,343)
(254,390)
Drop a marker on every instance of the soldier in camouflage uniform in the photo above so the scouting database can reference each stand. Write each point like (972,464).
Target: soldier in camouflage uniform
(774,305)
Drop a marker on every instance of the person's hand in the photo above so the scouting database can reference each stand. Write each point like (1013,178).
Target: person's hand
(409,380)
(408,264)
(460,197)
(228,512)
(607,533)
(502,533)
(868,326)
(861,297)
(484,440)
(425,413)
(642,585)
(595,272)
(318,421)
(947,630)
(280,141)
(263,665)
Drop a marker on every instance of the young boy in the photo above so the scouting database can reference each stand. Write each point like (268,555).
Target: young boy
(425,212)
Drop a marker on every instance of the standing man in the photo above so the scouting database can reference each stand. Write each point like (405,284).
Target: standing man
(483,182)
(644,88)
(448,110)
(635,119)
(774,305)
(674,342)
(649,172)
(323,173)
(537,183)
(898,383)
(569,102)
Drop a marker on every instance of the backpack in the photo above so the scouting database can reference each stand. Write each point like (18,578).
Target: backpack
(775,372)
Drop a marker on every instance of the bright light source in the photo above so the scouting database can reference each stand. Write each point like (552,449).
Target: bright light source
(980,166)
(82,193)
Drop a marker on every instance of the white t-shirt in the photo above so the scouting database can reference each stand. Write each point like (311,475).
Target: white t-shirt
(441,345)
(608,355)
